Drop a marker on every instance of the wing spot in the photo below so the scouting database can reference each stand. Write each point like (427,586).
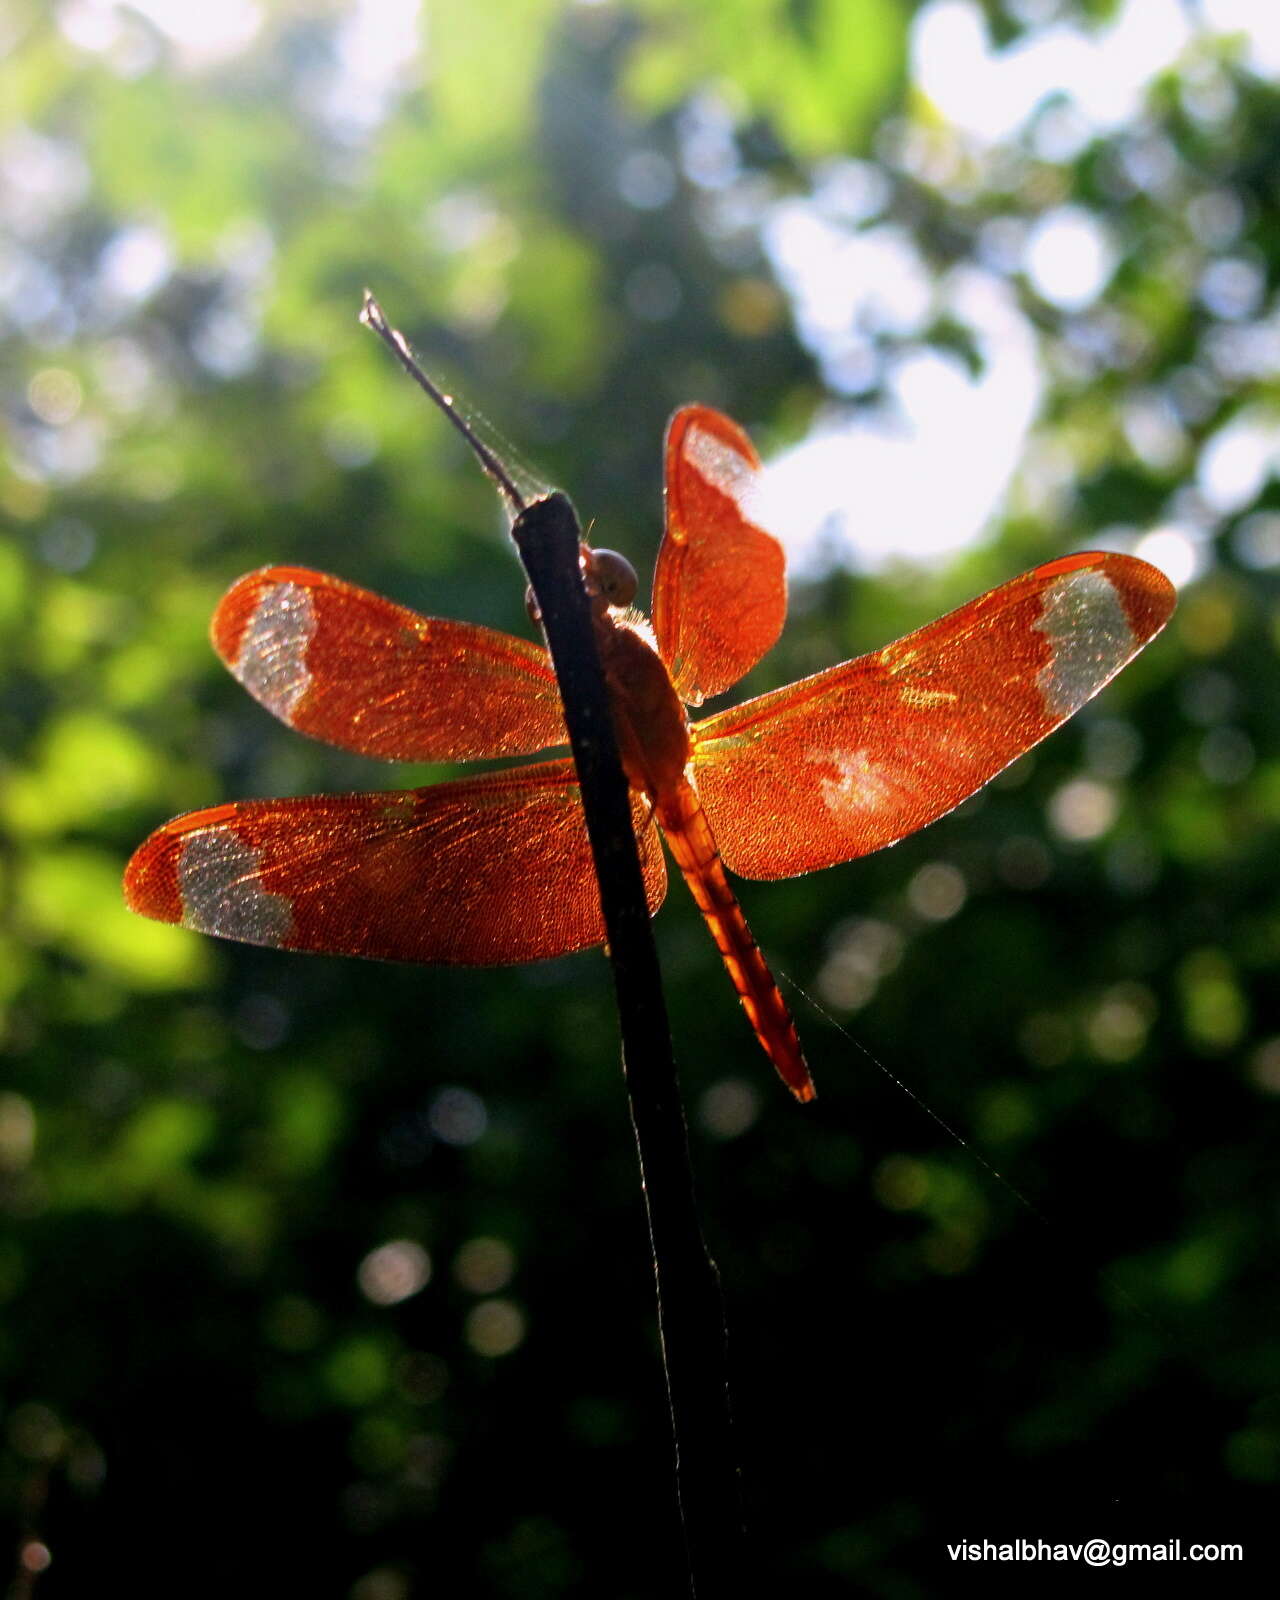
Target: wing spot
(719,464)
(272,663)
(222,892)
(1090,639)
(858,786)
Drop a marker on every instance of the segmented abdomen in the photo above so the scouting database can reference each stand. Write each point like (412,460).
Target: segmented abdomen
(693,845)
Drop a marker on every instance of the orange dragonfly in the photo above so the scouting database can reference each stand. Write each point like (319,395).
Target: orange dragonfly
(497,869)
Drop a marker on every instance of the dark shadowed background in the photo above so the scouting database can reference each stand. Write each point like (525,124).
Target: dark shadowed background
(326,1278)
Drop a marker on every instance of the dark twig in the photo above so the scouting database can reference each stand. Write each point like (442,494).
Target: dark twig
(690,1313)
(371,314)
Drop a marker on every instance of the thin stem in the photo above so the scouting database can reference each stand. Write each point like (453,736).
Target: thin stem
(371,314)
(690,1312)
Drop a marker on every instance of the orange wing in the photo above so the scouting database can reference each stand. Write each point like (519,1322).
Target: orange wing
(355,670)
(856,757)
(719,590)
(482,872)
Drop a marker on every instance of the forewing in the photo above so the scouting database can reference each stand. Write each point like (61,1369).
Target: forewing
(719,589)
(856,757)
(346,666)
(483,872)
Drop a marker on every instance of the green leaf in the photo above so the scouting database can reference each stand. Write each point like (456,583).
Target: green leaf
(822,71)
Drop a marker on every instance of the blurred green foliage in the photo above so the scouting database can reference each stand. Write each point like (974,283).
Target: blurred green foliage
(211,1381)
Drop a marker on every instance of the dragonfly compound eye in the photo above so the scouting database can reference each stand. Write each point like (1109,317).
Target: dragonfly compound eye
(614,576)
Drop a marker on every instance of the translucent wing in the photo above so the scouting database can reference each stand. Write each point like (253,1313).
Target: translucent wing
(346,666)
(854,758)
(719,591)
(484,872)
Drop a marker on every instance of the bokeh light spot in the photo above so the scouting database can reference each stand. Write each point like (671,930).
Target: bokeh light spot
(495,1328)
(383,1583)
(1118,1026)
(1112,748)
(457,1116)
(17,1131)
(55,395)
(357,1371)
(1173,551)
(67,544)
(901,1183)
(134,264)
(1226,755)
(937,891)
(863,951)
(1236,461)
(1083,809)
(1133,864)
(646,180)
(1069,258)
(393,1272)
(1264,1066)
(1215,1014)
(34,1557)
(202,36)
(728,1108)
(1256,540)
(652,292)
(36,1432)
(485,1265)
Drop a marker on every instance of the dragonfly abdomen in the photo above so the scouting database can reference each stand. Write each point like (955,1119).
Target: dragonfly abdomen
(688,832)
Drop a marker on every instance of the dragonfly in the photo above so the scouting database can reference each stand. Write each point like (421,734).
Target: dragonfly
(496,868)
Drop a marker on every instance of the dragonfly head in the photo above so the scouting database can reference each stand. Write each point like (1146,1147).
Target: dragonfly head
(611,581)
(609,576)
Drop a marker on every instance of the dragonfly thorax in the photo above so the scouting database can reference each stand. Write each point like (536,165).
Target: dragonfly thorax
(649,718)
